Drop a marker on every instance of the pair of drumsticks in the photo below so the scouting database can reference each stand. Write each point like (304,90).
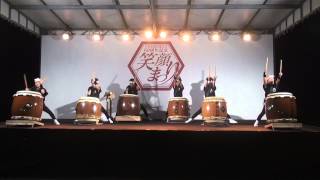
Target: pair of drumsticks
(267,63)
(209,73)
(215,71)
(26,83)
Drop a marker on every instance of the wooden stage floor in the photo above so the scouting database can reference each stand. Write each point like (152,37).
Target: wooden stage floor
(158,126)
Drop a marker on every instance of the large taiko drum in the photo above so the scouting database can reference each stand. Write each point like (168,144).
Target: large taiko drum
(178,109)
(214,110)
(88,109)
(128,108)
(281,107)
(27,105)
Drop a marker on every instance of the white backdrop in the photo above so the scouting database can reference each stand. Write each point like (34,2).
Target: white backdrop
(68,67)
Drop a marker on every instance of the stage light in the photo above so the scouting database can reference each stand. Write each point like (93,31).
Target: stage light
(125,37)
(246,37)
(186,37)
(148,34)
(217,36)
(163,34)
(214,36)
(65,36)
(96,37)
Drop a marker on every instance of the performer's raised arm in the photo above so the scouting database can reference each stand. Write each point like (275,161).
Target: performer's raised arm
(89,91)
(214,81)
(279,79)
(265,79)
(174,82)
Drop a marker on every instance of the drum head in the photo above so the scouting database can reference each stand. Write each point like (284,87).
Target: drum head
(178,99)
(28,93)
(214,98)
(89,99)
(280,94)
(128,95)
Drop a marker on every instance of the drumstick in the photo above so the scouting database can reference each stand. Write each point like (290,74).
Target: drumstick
(93,75)
(280,65)
(203,76)
(211,69)
(43,80)
(25,81)
(266,68)
(215,71)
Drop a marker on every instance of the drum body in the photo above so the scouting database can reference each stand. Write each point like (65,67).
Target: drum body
(88,109)
(178,109)
(27,105)
(281,107)
(214,110)
(128,108)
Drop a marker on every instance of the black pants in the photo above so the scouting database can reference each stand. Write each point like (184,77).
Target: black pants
(47,110)
(144,110)
(263,112)
(105,112)
(199,112)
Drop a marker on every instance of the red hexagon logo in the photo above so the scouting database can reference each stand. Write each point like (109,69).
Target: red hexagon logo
(154,65)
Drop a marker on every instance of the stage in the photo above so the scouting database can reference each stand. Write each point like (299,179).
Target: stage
(157,126)
(194,126)
(149,150)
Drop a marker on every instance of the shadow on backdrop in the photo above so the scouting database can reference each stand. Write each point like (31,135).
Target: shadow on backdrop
(196,94)
(67,111)
(151,100)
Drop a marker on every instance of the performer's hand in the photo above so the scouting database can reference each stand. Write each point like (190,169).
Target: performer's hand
(215,78)
(43,91)
(265,80)
(280,74)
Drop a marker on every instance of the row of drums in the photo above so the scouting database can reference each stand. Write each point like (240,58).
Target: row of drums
(213,109)
(280,107)
(128,109)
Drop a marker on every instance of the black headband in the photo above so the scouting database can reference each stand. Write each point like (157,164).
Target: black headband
(95,80)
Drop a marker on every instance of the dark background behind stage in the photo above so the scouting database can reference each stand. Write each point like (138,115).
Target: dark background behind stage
(19,53)
(299,48)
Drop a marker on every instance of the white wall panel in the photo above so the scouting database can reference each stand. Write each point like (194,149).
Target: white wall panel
(23,20)
(5,9)
(14,15)
(68,67)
